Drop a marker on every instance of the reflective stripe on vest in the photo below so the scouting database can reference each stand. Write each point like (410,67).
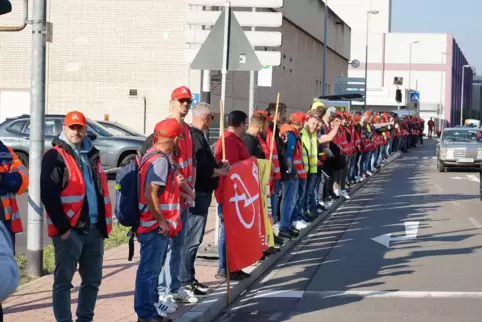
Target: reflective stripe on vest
(169,201)
(298,159)
(10,209)
(185,159)
(309,152)
(275,159)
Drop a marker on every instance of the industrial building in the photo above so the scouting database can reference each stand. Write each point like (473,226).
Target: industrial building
(121,60)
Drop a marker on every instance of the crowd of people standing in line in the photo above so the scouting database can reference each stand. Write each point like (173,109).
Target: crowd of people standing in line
(317,157)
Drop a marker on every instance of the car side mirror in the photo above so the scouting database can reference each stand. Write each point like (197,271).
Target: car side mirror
(91,135)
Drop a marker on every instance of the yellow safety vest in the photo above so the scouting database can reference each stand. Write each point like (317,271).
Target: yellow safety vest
(310,151)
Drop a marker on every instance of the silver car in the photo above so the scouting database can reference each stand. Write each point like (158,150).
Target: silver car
(115,151)
(119,129)
(459,147)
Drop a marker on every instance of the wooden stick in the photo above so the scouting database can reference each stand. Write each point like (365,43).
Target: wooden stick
(228,273)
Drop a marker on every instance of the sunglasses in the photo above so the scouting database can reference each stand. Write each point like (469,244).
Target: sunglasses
(188,101)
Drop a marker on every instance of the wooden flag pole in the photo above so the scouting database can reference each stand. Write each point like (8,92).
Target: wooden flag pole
(228,273)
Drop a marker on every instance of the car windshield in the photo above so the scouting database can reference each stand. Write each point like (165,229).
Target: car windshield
(125,128)
(99,128)
(462,135)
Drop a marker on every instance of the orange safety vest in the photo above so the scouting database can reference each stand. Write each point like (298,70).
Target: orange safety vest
(298,158)
(169,201)
(185,159)
(73,196)
(275,159)
(9,201)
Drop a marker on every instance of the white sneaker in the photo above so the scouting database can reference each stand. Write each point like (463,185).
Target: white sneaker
(345,194)
(276,225)
(305,222)
(369,173)
(336,192)
(164,308)
(299,225)
(184,296)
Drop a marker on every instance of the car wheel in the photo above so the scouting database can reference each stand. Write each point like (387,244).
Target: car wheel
(127,159)
(440,166)
(23,157)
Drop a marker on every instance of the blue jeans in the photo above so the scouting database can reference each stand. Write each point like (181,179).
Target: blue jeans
(221,241)
(153,255)
(317,187)
(88,252)
(310,192)
(299,210)
(290,192)
(274,199)
(193,235)
(169,277)
(352,166)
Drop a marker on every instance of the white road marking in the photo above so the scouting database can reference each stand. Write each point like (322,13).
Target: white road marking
(411,230)
(473,178)
(475,223)
(367,294)
(455,203)
(439,188)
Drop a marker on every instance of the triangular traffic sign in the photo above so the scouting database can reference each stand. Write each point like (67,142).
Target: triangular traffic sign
(241,53)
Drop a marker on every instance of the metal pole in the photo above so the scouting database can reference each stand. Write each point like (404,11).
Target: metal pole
(462,97)
(441,94)
(325,48)
(37,116)
(206,87)
(251,85)
(410,69)
(366,59)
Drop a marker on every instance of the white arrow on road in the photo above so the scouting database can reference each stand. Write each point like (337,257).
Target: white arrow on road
(411,230)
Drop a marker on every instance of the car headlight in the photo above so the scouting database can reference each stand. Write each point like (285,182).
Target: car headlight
(443,153)
(479,153)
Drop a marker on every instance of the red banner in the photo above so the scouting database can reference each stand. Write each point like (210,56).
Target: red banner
(242,213)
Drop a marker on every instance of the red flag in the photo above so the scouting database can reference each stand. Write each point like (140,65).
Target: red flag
(242,215)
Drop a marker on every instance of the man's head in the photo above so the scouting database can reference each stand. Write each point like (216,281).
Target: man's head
(297,120)
(202,115)
(166,135)
(181,100)
(257,124)
(271,110)
(337,118)
(75,127)
(237,122)
(313,122)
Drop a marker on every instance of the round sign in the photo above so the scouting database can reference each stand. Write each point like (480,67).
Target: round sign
(355,63)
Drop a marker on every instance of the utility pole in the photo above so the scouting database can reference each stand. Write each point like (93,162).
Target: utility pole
(251,85)
(325,48)
(37,116)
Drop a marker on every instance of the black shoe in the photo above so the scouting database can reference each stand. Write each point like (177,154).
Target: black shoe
(284,234)
(238,276)
(220,275)
(294,233)
(200,286)
(279,241)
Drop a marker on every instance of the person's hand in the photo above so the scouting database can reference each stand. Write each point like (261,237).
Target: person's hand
(180,179)
(226,166)
(65,235)
(223,172)
(163,227)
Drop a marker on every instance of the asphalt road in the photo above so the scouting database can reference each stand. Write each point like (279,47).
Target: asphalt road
(21,238)
(430,271)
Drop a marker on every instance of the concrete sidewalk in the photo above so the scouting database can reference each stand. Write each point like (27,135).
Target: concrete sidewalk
(33,301)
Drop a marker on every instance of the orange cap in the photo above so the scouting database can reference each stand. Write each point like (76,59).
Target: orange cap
(167,129)
(75,118)
(297,117)
(261,112)
(181,93)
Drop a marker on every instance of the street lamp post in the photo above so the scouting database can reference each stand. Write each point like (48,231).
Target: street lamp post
(410,66)
(369,12)
(325,46)
(462,95)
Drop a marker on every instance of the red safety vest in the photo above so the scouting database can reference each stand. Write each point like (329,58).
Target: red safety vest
(341,140)
(73,196)
(367,143)
(9,201)
(298,158)
(168,200)
(276,167)
(185,159)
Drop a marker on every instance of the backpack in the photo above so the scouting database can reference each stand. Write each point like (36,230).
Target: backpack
(127,188)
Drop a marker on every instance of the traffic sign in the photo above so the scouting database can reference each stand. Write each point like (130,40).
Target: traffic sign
(196,98)
(245,18)
(414,96)
(241,55)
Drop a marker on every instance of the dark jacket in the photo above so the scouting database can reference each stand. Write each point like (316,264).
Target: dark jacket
(206,163)
(253,146)
(53,180)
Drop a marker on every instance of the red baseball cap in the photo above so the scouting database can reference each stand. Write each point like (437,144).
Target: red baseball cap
(261,112)
(75,118)
(298,117)
(167,129)
(181,93)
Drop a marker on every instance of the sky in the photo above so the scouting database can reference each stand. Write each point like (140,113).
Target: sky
(460,17)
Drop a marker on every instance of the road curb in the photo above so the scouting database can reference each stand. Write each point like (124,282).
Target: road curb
(213,305)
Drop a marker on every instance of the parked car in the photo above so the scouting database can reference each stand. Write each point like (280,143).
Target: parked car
(115,151)
(119,129)
(459,147)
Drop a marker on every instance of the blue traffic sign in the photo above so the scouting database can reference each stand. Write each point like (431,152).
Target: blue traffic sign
(196,98)
(414,96)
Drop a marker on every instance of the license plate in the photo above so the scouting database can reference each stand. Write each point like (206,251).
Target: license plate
(465,160)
